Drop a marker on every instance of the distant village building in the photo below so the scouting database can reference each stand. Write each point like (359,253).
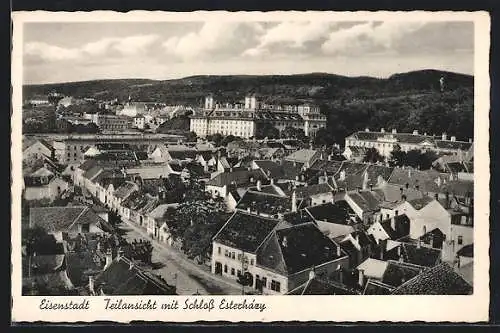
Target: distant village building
(243,120)
(38,100)
(39,149)
(43,184)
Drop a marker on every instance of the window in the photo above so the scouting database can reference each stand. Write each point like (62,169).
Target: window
(460,240)
(219,250)
(396,212)
(251,262)
(226,253)
(239,272)
(275,285)
(225,268)
(233,255)
(239,257)
(85,228)
(232,271)
(264,281)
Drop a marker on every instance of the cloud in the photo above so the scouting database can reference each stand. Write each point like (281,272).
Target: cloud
(293,34)
(99,47)
(135,44)
(370,36)
(51,52)
(126,46)
(213,37)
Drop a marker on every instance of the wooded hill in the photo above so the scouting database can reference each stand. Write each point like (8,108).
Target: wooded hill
(405,101)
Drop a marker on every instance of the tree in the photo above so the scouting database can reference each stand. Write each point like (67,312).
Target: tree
(216,139)
(373,156)
(228,139)
(191,137)
(324,137)
(413,158)
(398,157)
(139,250)
(266,130)
(36,240)
(197,218)
(293,133)
(426,160)
(175,189)
(114,218)
(245,279)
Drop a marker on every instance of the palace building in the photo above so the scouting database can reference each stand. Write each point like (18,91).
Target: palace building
(243,119)
(385,142)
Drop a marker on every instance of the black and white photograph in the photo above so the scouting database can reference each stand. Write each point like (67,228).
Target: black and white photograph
(293,156)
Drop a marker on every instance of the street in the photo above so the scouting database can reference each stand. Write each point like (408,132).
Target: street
(188,277)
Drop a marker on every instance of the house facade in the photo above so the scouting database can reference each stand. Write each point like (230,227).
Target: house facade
(385,142)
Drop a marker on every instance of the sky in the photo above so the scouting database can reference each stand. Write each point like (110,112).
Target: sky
(64,52)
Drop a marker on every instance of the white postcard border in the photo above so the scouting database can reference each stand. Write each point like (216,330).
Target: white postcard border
(472,308)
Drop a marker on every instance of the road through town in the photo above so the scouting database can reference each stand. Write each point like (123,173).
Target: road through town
(188,277)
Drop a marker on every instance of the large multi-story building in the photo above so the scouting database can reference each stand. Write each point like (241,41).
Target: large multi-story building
(243,119)
(113,123)
(385,142)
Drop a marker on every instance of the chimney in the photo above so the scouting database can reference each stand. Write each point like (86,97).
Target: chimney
(367,129)
(109,258)
(365,180)
(284,242)
(119,253)
(400,256)
(470,140)
(394,131)
(342,175)
(259,185)
(393,223)
(415,132)
(382,130)
(272,181)
(361,277)
(91,284)
(312,274)
(443,136)
(453,138)
(339,251)
(294,201)
(357,239)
